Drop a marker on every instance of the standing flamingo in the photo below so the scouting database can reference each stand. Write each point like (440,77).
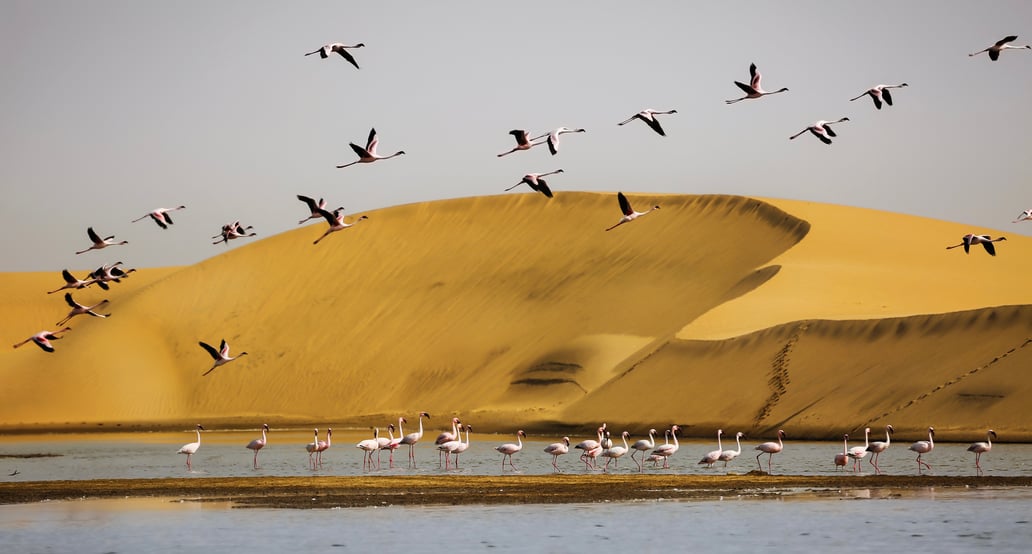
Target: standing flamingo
(667,450)
(395,441)
(221,356)
(368,446)
(312,448)
(368,154)
(1024,216)
(325,50)
(1000,46)
(592,448)
(615,452)
(258,444)
(857,453)
(79,309)
(729,455)
(336,221)
(553,138)
(522,142)
(412,438)
(72,283)
(323,446)
(879,93)
(878,447)
(535,182)
(980,447)
(648,115)
(448,436)
(643,445)
(924,447)
(43,338)
(557,449)
(448,447)
(971,239)
(99,243)
(313,207)
(508,449)
(190,448)
(713,456)
(753,89)
(770,448)
(821,129)
(462,446)
(628,213)
(840,459)
(160,216)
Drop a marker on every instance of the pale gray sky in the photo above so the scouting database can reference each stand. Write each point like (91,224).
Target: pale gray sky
(111,109)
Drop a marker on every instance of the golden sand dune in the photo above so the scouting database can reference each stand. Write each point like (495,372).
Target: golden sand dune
(518,310)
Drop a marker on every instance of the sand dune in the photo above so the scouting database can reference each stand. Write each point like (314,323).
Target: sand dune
(516,310)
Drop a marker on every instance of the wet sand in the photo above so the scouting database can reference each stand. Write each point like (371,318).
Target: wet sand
(348,492)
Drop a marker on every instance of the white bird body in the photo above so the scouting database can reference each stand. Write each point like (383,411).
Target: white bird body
(160,216)
(970,239)
(667,450)
(79,309)
(368,446)
(753,90)
(368,154)
(878,93)
(591,448)
(770,448)
(922,448)
(648,115)
(877,447)
(522,142)
(553,138)
(980,448)
(821,129)
(412,438)
(446,437)
(615,452)
(323,446)
(628,213)
(1024,216)
(191,448)
(42,339)
(258,444)
(729,455)
(220,356)
(857,453)
(100,243)
(713,456)
(643,445)
(1000,46)
(557,449)
(312,448)
(325,50)
(509,449)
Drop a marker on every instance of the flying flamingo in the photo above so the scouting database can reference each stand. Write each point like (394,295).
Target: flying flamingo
(336,221)
(72,283)
(840,459)
(857,453)
(109,273)
(448,436)
(313,206)
(412,438)
(323,446)
(191,448)
(821,129)
(258,444)
(980,447)
(557,449)
(1000,46)
(368,154)
(713,457)
(509,449)
(160,216)
(340,48)
(614,453)
(879,93)
(648,115)
(312,447)
(368,446)
(629,213)
(99,243)
(753,89)
(667,450)
(878,447)
(1024,216)
(729,455)
(770,448)
(924,447)
(553,138)
(232,231)
(985,240)
(535,182)
(643,445)
(43,338)
(79,309)
(522,142)
(221,356)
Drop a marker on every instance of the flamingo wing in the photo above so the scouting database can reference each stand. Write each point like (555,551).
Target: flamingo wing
(754,76)
(371,141)
(224,349)
(1005,40)
(887,96)
(211,350)
(989,247)
(328,216)
(967,243)
(72,303)
(745,88)
(654,123)
(625,205)
(542,187)
(347,56)
(93,235)
(362,152)
(312,205)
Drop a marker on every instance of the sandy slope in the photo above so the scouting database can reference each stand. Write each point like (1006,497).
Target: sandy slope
(515,310)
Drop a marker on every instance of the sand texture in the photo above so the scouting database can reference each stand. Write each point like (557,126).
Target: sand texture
(517,310)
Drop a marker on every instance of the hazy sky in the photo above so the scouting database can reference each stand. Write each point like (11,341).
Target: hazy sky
(112,109)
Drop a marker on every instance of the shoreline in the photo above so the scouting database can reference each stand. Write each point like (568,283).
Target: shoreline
(354,492)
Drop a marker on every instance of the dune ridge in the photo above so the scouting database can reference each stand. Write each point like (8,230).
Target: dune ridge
(518,310)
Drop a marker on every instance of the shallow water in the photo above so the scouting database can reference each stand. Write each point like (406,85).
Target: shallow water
(222,454)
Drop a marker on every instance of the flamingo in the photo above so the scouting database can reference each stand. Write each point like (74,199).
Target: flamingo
(821,129)
(1000,46)
(412,438)
(509,449)
(643,445)
(667,450)
(971,239)
(655,458)
(857,453)
(522,142)
(313,206)
(448,447)
(553,138)
(648,115)
(395,442)
(368,446)
(336,221)
(535,182)
(312,447)
(713,456)
(79,309)
(384,442)
(879,93)
(462,446)
(878,447)
(591,447)
(840,459)
(232,231)
(325,50)
(160,216)
(108,273)
(557,449)
(770,448)
(323,446)
(72,283)
(221,356)
(1024,216)
(629,213)
(924,447)
(191,448)
(614,453)
(980,447)
(258,444)
(729,455)
(99,243)
(448,436)
(753,89)
(368,154)
(43,338)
